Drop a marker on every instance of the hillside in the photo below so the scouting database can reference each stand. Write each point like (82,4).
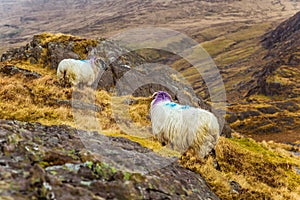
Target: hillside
(56,165)
(30,93)
(68,142)
(280,73)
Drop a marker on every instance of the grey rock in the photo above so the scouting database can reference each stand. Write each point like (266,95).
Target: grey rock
(52,162)
(12,70)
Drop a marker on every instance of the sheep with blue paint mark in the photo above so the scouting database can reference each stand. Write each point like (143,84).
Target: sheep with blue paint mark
(183,127)
(74,72)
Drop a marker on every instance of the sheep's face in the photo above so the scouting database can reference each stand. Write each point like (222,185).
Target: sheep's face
(160,96)
(100,64)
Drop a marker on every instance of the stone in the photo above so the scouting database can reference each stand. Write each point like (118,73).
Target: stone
(12,70)
(62,169)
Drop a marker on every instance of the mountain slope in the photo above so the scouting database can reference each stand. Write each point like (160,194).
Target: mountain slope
(272,87)
(281,71)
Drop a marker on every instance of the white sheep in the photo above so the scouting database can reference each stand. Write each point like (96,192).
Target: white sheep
(74,72)
(183,127)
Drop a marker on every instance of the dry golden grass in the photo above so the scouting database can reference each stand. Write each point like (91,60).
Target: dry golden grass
(280,126)
(79,43)
(36,100)
(262,170)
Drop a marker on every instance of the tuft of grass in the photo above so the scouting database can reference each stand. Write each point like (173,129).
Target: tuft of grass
(33,100)
(139,111)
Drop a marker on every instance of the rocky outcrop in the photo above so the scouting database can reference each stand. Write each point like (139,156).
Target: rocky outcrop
(51,162)
(49,49)
(12,70)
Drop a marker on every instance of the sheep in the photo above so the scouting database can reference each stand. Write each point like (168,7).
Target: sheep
(183,127)
(75,72)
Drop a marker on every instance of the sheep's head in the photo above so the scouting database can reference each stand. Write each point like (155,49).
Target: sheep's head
(100,64)
(160,96)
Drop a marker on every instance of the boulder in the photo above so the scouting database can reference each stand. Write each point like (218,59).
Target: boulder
(51,162)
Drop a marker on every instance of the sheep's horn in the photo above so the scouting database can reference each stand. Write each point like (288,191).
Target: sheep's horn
(154,94)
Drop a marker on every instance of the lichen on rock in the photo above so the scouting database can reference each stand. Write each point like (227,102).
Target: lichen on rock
(50,162)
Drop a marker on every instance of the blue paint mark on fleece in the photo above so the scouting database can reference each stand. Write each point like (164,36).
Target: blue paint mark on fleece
(185,107)
(171,104)
(84,61)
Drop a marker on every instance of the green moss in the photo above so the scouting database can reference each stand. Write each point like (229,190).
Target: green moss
(250,144)
(53,172)
(137,177)
(263,151)
(127,176)
(102,170)
(71,153)
(89,164)
(44,164)
(14,139)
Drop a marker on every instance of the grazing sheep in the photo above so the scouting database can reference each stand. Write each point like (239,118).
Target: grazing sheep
(74,72)
(182,126)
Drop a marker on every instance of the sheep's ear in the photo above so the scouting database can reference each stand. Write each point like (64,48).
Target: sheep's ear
(101,63)
(154,95)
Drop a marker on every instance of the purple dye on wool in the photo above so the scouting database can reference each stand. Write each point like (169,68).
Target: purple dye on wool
(161,96)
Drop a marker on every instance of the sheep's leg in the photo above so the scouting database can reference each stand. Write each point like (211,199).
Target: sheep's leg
(80,85)
(64,82)
(61,77)
(171,145)
(72,78)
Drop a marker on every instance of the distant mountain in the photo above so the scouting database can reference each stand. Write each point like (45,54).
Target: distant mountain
(20,19)
(285,35)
